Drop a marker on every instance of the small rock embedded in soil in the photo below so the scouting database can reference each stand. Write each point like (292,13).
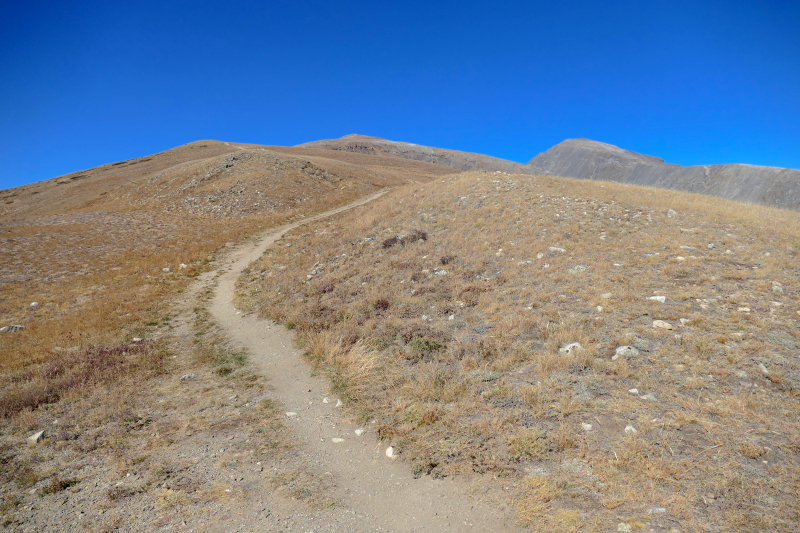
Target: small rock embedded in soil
(660,299)
(359,432)
(569,348)
(36,438)
(390,452)
(630,430)
(586,427)
(661,324)
(11,329)
(337,440)
(625,351)
(577,269)
(34,305)
(186,377)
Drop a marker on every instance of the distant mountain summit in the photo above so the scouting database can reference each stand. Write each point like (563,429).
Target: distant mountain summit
(587,159)
(364,144)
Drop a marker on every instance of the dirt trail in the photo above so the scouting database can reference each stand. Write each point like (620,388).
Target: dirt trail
(374,492)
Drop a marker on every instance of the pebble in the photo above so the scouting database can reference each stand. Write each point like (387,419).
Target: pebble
(568,348)
(657,510)
(661,324)
(34,305)
(11,329)
(36,438)
(291,414)
(649,396)
(390,452)
(670,213)
(556,249)
(633,391)
(625,351)
(337,440)
(630,430)
(606,295)
(165,269)
(586,427)
(622,526)
(359,432)
(339,403)
(661,299)
(684,321)
(186,376)
(182,266)
(577,269)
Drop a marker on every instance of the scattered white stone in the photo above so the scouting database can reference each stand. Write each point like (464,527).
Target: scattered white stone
(165,269)
(337,440)
(661,299)
(555,249)
(661,324)
(630,430)
(657,510)
(649,396)
(633,391)
(741,374)
(710,245)
(684,247)
(440,272)
(744,309)
(360,432)
(586,427)
(182,266)
(136,339)
(539,255)
(34,305)
(36,438)
(763,368)
(670,213)
(11,329)
(569,348)
(625,351)
(186,376)
(599,308)
(622,526)
(451,317)
(680,258)
(326,400)
(390,452)
(777,287)
(729,252)
(684,321)
(606,295)
(339,403)
(291,414)
(546,265)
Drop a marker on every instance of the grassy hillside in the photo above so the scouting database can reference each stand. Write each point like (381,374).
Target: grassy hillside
(103,251)
(448,313)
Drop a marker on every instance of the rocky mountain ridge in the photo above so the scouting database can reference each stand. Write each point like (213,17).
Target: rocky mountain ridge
(588,159)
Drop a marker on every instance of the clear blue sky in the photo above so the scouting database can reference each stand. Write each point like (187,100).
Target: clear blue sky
(83,83)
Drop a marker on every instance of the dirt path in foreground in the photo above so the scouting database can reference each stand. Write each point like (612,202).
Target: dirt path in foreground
(373,492)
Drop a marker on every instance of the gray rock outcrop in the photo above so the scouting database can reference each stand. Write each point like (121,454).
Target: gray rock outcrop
(587,159)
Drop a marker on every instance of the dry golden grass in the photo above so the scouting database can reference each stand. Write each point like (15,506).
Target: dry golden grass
(442,311)
(93,248)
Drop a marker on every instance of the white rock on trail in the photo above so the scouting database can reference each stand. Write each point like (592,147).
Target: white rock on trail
(630,430)
(661,324)
(34,305)
(359,432)
(660,299)
(390,452)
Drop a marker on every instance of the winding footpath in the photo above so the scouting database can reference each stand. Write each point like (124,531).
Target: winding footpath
(373,492)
